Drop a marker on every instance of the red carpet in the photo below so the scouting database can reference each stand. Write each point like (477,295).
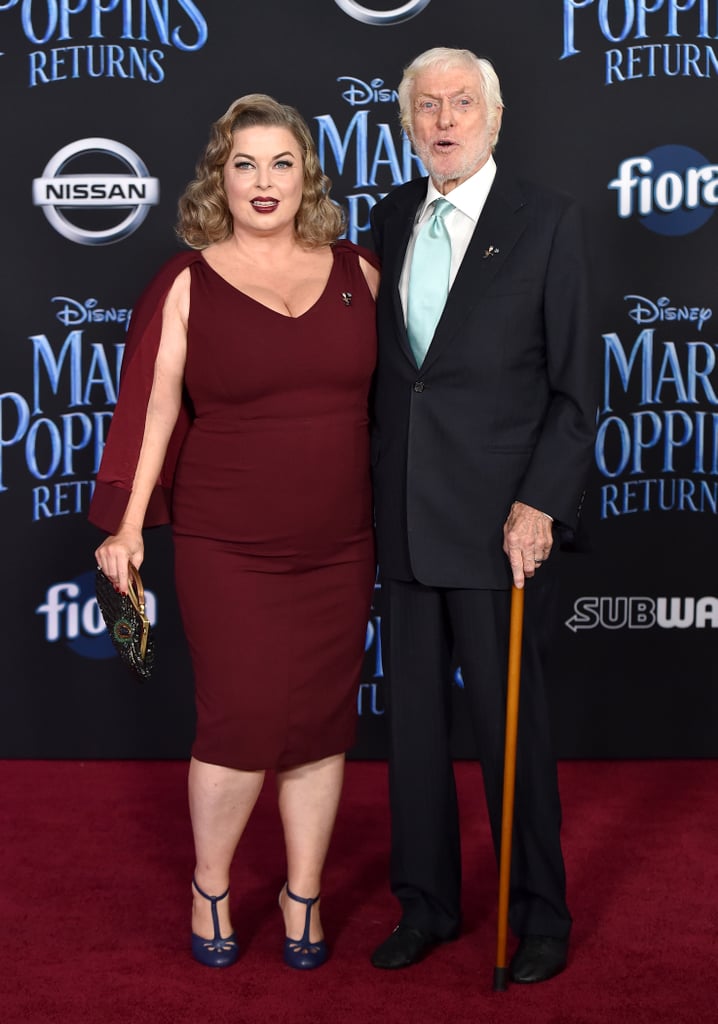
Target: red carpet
(96,863)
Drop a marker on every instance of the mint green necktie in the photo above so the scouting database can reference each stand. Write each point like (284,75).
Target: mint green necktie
(428,280)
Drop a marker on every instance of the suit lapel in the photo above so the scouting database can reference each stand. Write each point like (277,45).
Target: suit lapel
(499,227)
(398,227)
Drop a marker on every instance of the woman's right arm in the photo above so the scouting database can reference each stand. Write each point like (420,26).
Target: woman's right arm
(163,408)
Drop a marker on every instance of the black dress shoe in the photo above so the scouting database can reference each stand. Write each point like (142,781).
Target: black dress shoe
(404,947)
(538,958)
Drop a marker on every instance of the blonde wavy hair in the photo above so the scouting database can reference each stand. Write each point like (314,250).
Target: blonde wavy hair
(204,215)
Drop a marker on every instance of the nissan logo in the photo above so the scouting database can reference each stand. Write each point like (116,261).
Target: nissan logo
(57,192)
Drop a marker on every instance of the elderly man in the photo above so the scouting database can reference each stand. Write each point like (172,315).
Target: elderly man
(484,414)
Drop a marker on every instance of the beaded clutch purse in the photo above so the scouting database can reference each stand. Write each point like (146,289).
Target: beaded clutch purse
(126,621)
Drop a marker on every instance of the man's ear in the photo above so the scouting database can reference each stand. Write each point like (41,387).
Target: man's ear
(497,124)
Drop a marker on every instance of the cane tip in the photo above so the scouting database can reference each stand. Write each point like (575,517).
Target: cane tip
(500,976)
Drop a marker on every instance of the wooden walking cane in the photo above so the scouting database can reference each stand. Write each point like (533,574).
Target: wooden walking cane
(516,628)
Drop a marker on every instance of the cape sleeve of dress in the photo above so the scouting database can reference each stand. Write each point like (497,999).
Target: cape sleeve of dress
(124,440)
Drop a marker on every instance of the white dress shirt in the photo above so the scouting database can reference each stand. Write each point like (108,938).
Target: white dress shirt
(468,200)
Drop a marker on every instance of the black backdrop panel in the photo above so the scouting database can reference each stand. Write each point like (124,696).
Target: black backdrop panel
(106,107)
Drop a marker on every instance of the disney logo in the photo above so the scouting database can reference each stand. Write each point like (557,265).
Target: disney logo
(72,313)
(648,312)
(360,93)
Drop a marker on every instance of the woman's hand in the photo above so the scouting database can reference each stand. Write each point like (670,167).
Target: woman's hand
(115,552)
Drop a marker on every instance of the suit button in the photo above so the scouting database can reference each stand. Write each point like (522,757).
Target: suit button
(419,386)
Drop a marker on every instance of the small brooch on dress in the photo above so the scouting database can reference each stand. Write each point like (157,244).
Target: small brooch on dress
(347,298)
(491,251)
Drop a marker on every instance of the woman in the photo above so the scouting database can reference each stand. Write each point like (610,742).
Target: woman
(243,414)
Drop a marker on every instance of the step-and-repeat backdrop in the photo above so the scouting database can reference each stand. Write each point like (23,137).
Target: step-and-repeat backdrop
(105,107)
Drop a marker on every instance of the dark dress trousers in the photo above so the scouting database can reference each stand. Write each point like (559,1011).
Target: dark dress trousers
(502,409)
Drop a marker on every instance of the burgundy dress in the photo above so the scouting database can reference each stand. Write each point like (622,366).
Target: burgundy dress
(272,518)
(266,483)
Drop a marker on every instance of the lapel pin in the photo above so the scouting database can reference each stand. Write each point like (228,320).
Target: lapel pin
(491,251)
(347,298)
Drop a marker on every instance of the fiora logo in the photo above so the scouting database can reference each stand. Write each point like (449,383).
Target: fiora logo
(72,615)
(57,192)
(392,17)
(672,189)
